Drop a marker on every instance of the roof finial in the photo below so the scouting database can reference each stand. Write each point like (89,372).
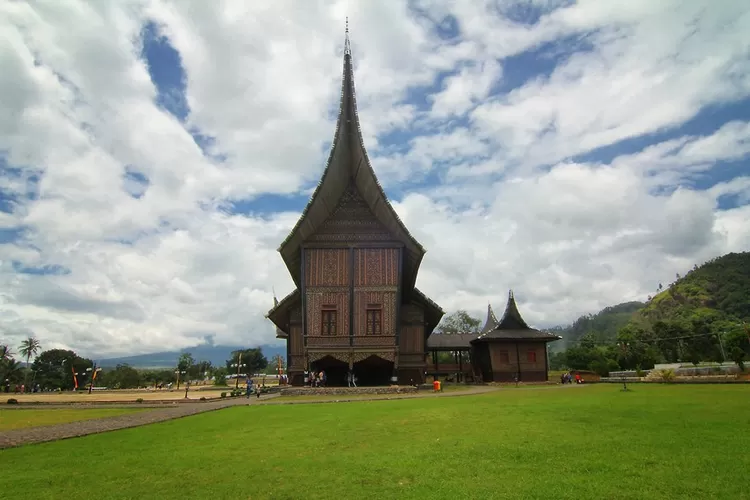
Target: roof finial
(347,46)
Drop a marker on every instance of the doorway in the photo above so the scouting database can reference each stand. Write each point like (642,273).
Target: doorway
(334,369)
(373,371)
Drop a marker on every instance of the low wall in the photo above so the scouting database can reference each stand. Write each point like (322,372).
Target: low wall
(319,391)
(681,380)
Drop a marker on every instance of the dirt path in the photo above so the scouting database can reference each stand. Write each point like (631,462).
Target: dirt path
(33,435)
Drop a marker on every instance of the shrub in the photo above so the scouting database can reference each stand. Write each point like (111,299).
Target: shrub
(236,392)
(139,400)
(639,372)
(223,394)
(203,398)
(12,401)
(667,375)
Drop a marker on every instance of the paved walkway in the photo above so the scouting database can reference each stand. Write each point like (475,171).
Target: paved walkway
(18,437)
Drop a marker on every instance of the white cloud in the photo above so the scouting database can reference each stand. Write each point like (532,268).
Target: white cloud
(172,266)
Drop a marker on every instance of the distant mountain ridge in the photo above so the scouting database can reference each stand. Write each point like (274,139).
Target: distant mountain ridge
(603,325)
(216,354)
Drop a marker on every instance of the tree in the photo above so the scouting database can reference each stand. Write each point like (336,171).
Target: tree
(220,376)
(29,348)
(459,322)
(276,361)
(122,377)
(54,368)
(185,362)
(10,369)
(5,352)
(253,359)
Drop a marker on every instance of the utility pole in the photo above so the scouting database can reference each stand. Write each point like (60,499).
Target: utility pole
(624,346)
(721,344)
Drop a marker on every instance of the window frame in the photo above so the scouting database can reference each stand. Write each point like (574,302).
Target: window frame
(374,311)
(504,356)
(531,356)
(329,320)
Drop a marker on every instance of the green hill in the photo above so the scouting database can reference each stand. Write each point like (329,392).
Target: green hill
(697,318)
(603,325)
(719,288)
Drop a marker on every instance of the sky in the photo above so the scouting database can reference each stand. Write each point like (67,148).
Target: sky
(154,154)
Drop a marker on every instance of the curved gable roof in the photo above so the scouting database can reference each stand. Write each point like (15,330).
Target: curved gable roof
(347,164)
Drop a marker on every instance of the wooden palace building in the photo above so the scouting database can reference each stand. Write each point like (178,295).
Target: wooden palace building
(354,263)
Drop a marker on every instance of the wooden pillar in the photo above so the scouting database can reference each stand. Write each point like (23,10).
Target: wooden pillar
(460,366)
(518,362)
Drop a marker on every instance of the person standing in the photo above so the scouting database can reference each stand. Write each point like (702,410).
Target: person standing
(248,387)
(257,391)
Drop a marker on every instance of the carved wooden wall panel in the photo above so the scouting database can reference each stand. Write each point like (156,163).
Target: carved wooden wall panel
(412,314)
(386,299)
(411,339)
(376,266)
(351,221)
(296,344)
(326,341)
(326,267)
(295,313)
(316,299)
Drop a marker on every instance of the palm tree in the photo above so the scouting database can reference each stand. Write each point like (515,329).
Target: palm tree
(29,348)
(5,352)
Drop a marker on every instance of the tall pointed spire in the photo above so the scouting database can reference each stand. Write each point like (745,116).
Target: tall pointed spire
(512,319)
(491,321)
(347,44)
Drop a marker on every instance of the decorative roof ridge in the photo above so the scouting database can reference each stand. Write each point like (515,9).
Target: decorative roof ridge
(279,304)
(428,300)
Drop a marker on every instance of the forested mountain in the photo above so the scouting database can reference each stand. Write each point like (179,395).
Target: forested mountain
(603,325)
(698,317)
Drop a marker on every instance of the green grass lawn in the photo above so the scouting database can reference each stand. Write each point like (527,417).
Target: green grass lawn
(568,443)
(21,419)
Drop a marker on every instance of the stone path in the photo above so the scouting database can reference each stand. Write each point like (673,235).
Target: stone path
(18,437)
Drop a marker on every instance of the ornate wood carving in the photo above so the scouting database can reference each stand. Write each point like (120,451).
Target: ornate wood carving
(352,220)
(387,300)
(376,266)
(375,341)
(326,267)
(315,301)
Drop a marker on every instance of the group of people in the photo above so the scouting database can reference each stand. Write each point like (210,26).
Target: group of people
(567,378)
(317,379)
(251,387)
(21,388)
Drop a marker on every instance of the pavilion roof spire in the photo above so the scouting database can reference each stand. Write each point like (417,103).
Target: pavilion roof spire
(491,321)
(512,319)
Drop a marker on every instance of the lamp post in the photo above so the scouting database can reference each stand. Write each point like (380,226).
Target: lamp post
(624,346)
(178,372)
(239,365)
(237,378)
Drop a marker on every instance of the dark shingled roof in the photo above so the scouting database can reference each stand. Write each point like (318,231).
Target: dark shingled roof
(448,342)
(513,327)
(348,163)
(491,322)
(276,314)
